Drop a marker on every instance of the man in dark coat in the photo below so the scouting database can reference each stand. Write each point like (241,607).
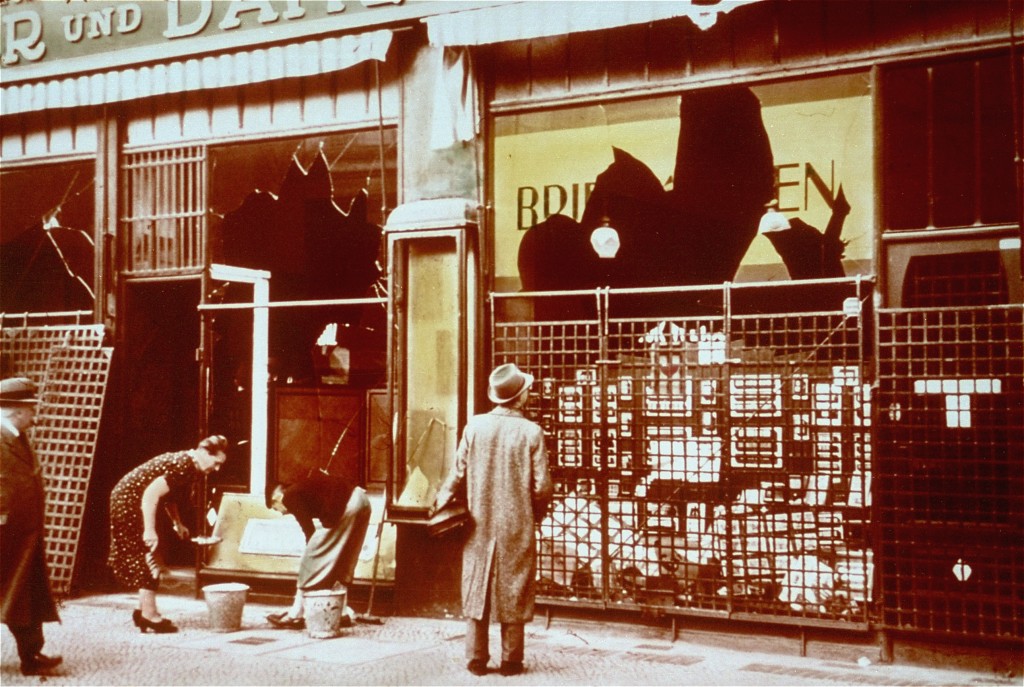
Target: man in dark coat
(332,551)
(503,466)
(27,601)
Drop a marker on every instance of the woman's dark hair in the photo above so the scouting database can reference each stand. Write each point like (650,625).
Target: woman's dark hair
(214,444)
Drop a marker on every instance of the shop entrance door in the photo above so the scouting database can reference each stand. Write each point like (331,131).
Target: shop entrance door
(158,377)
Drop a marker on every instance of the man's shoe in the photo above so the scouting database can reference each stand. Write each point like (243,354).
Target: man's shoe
(477,666)
(283,621)
(40,664)
(509,668)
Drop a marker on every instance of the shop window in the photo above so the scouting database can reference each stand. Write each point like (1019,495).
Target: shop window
(684,181)
(948,141)
(309,211)
(430,346)
(353,161)
(46,232)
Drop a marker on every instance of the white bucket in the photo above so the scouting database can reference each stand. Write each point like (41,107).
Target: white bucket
(324,612)
(224,603)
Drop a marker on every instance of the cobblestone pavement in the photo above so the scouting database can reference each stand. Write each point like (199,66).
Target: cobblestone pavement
(101,647)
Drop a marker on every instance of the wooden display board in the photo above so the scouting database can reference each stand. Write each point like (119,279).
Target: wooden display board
(318,429)
(257,541)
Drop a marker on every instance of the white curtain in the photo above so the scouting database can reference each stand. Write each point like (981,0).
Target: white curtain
(455,117)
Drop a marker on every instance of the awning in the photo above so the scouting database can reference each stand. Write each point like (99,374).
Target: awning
(239,68)
(519,21)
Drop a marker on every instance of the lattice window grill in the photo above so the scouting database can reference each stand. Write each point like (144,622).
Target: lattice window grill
(950,469)
(163,219)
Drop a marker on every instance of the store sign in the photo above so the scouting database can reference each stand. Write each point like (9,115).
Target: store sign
(821,137)
(38,32)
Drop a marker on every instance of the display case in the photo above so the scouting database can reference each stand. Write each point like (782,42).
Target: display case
(433,315)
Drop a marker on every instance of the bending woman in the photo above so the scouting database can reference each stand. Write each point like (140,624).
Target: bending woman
(133,509)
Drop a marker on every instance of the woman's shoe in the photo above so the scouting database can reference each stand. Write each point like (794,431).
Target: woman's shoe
(163,627)
(136,618)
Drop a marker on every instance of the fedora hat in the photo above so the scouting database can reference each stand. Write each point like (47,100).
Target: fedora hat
(18,390)
(507,382)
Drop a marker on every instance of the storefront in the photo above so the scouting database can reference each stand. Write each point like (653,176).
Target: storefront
(352,210)
(748,451)
(166,168)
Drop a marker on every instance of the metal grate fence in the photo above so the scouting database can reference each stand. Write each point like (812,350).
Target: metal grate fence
(71,366)
(950,495)
(710,450)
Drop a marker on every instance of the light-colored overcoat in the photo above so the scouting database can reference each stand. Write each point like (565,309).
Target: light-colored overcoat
(502,462)
(27,599)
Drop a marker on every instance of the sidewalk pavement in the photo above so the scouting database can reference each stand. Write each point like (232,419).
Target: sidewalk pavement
(101,647)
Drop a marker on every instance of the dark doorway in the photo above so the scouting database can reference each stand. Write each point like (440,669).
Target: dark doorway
(161,381)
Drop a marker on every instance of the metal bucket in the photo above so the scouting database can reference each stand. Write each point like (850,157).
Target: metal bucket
(224,604)
(324,612)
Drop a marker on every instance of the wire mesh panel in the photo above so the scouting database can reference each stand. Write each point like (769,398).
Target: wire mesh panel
(713,457)
(950,491)
(67,427)
(665,454)
(26,349)
(71,366)
(753,427)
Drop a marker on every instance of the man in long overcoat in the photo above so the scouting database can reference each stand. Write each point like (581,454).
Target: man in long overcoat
(502,463)
(27,601)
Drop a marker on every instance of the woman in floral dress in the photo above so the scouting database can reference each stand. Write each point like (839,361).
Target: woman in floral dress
(133,510)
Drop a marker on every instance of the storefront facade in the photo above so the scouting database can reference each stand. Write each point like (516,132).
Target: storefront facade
(166,166)
(803,445)
(753,450)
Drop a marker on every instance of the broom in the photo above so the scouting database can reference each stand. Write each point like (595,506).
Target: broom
(368,618)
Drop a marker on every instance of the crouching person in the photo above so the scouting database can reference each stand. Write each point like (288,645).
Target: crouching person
(332,551)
